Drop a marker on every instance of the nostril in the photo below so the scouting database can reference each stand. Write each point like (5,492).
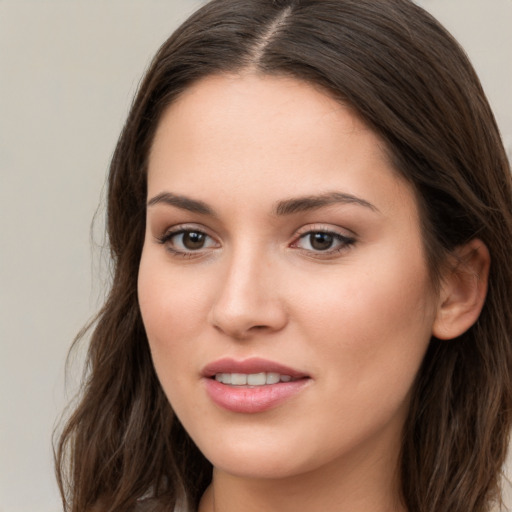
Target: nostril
(240,312)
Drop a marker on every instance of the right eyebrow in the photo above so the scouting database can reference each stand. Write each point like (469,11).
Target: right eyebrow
(183,202)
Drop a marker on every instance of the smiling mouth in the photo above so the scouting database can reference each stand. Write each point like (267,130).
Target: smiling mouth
(250,393)
(253,371)
(252,379)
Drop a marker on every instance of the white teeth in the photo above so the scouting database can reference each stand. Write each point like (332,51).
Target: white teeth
(251,379)
(225,378)
(274,378)
(238,379)
(256,379)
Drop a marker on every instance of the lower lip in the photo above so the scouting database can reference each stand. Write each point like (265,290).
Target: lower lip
(250,400)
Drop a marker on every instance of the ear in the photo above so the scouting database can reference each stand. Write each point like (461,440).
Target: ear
(463,290)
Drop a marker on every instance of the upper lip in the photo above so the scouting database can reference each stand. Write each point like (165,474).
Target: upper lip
(248,366)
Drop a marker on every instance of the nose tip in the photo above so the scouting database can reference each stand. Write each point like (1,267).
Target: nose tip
(245,314)
(248,303)
(240,326)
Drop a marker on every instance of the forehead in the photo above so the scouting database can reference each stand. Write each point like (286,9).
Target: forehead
(256,103)
(263,137)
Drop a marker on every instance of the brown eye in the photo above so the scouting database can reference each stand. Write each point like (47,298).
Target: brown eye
(193,240)
(187,241)
(321,241)
(328,242)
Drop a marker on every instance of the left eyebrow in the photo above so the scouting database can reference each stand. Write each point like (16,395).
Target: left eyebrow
(305,203)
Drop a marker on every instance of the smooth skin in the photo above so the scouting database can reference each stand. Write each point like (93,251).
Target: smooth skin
(277,228)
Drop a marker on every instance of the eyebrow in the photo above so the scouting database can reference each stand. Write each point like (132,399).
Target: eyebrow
(302,204)
(185,203)
(282,208)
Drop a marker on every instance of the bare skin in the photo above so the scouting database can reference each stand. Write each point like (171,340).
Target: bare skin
(277,229)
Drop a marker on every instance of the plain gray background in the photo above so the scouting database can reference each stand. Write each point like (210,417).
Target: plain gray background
(68,71)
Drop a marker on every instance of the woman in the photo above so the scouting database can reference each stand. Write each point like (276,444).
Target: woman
(309,213)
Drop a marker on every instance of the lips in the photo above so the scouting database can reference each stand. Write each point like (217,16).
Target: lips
(249,366)
(253,385)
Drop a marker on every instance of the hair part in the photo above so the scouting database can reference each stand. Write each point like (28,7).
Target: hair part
(409,80)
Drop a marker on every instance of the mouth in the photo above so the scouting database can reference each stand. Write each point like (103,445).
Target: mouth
(252,372)
(252,379)
(253,385)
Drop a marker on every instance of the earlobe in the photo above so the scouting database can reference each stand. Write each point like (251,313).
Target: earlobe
(463,290)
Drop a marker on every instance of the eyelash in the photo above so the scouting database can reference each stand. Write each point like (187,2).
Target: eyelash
(167,237)
(344,242)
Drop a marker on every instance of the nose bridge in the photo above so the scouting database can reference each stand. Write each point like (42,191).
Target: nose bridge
(247,298)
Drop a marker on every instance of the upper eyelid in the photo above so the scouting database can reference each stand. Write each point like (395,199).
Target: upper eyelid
(179,228)
(325,228)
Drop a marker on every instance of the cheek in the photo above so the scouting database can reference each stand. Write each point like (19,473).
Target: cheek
(374,320)
(171,305)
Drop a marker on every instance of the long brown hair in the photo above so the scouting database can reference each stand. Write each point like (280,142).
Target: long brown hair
(410,81)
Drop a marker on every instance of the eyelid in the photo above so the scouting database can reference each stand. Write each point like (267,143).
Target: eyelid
(178,229)
(325,228)
(346,240)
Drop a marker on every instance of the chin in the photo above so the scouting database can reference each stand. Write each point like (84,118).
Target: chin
(263,466)
(265,457)
(254,456)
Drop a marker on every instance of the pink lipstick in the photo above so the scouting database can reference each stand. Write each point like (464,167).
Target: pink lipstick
(251,386)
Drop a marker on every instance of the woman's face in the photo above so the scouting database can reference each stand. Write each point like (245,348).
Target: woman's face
(283,283)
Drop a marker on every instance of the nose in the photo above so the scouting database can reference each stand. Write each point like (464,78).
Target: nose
(249,299)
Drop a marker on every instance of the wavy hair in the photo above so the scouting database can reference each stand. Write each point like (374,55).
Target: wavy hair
(409,80)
